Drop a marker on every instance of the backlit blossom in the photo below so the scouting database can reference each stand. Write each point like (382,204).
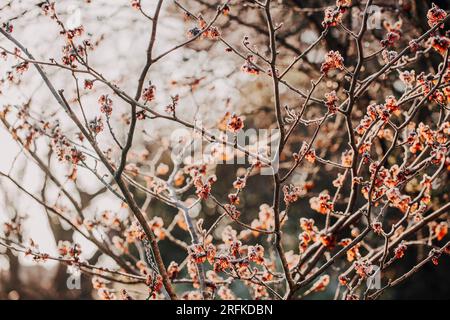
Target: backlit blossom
(333,61)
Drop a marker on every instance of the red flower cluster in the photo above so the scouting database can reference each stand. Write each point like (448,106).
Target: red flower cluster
(149,93)
(76,32)
(203,188)
(249,66)
(105,105)
(88,84)
(333,60)
(48,8)
(256,254)
(394,33)
(69,250)
(440,44)
(333,15)
(322,203)
(232,211)
(96,125)
(291,193)
(212,32)
(399,251)
(309,233)
(330,101)
(235,124)
(136,4)
(8,27)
